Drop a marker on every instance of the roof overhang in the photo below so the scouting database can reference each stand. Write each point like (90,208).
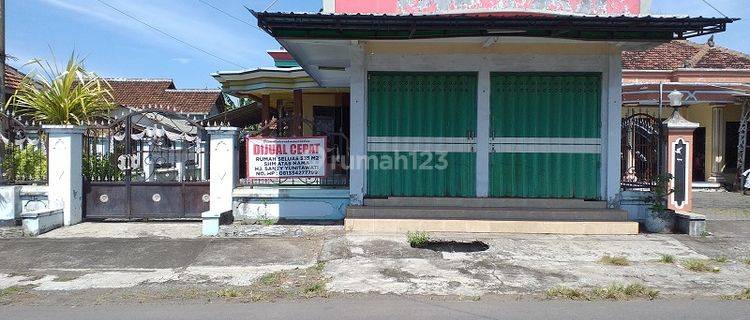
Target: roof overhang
(695,93)
(322,43)
(404,27)
(264,80)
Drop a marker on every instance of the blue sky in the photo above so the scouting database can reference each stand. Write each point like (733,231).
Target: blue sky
(116,46)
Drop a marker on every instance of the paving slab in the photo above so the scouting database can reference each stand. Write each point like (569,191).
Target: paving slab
(128,230)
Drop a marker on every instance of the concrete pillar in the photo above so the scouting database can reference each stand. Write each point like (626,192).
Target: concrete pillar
(299,114)
(718,146)
(483,134)
(224,162)
(612,130)
(65,171)
(358,125)
(679,156)
(265,114)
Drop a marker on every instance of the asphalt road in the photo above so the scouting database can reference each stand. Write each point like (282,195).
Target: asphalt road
(397,308)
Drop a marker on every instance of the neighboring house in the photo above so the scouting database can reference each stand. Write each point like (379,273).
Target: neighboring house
(291,103)
(161,94)
(711,77)
(13,79)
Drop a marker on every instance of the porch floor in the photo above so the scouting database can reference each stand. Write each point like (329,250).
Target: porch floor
(524,216)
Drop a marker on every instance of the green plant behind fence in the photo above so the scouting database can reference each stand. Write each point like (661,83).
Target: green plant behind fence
(101,167)
(24,164)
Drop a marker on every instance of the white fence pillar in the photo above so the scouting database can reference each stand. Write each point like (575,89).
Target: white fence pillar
(65,171)
(224,162)
(224,173)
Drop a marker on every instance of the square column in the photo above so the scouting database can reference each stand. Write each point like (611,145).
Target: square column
(680,161)
(65,171)
(224,166)
(718,146)
(358,125)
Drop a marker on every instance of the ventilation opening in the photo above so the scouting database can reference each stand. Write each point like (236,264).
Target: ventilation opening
(455,246)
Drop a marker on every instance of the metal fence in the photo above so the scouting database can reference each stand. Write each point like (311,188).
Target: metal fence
(24,151)
(641,151)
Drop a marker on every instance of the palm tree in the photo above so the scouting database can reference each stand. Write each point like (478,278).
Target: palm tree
(70,96)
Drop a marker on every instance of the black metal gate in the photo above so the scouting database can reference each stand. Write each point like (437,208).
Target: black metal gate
(641,145)
(148,164)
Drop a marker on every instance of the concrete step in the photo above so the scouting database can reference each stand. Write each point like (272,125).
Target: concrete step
(490,226)
(486,214)
(485,203)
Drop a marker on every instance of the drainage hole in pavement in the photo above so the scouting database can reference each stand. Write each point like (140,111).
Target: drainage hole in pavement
(455,246)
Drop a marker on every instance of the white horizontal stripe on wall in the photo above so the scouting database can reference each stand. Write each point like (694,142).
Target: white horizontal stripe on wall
(548,141)
(546,148)
(425,147)
(418,140)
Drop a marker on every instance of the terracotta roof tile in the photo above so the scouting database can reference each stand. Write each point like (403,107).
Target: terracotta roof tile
(723,58)
(684,54)
(161,94)
(13,79)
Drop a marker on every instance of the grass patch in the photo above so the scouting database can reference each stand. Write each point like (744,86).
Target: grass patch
(9,294)
(620,292)
(746,261)
(315,288)
(418,239)
(614,261)
(612,292)
(64,279)
(12,291)
(667,258)
(320,266)
(721,259)
(567,293)
(230,293)
(744,295)
(271,279)
(700,265)
(268,221)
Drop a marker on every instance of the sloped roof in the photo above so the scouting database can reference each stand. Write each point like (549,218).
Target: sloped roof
(162,94)
(13,79)
(685,54)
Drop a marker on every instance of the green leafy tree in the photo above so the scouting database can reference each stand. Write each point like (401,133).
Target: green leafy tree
(62,96)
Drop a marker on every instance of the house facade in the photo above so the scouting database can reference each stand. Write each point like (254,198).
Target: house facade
(503,117)
(711,77)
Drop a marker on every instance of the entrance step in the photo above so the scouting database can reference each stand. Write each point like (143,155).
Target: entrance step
(485,203)
(489,226)
(508,214)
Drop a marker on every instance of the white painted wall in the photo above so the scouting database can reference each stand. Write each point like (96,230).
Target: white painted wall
(224,164)
(358,125)
(65,171)
(605,62)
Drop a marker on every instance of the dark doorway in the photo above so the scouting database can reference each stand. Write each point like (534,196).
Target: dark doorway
(699,154)
(732,138)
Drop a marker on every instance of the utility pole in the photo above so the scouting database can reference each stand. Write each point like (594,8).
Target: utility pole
(2,78)
(2,52)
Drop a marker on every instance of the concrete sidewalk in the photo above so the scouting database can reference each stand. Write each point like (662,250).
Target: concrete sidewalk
(361,263)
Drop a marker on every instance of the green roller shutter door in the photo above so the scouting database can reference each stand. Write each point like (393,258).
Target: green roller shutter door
(423,118)
(546,131)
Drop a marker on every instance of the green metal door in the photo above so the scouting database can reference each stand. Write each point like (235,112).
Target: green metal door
(421,130)
(546,130)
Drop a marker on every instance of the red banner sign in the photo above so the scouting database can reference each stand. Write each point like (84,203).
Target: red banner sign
(286,157)
(586,7)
